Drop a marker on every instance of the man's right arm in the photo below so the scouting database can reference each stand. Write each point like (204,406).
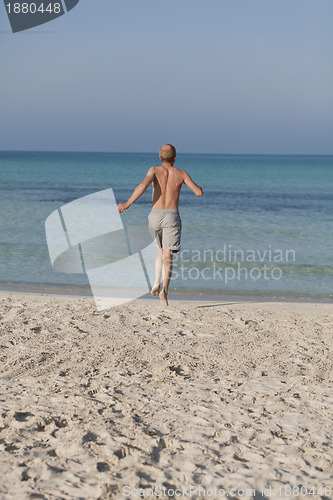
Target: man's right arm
(197,190)
(138,191)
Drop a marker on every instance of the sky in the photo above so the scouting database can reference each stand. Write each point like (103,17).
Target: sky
(210,76)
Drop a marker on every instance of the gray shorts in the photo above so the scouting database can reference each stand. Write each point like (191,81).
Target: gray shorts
(165,227)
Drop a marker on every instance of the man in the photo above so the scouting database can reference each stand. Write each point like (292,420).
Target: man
(164,219)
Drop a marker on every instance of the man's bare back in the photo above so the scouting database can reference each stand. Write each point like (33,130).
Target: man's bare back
(167,183)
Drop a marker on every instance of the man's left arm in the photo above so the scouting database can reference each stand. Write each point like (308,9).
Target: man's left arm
(138,191)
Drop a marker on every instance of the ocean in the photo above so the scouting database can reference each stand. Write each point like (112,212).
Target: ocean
(264,225)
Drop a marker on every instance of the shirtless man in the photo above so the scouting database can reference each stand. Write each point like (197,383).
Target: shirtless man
(164,219)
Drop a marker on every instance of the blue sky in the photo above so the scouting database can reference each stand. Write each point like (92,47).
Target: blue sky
(210,76)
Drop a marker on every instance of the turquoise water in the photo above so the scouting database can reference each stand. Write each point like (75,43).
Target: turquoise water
(264,224)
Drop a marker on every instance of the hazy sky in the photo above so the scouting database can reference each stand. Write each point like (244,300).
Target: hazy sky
(211,76)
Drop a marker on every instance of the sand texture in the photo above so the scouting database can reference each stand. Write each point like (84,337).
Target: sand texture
(218,395)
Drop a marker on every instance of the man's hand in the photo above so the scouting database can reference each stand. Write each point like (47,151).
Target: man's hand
(122,207)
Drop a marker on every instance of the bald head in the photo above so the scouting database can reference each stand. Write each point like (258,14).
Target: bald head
(168,153)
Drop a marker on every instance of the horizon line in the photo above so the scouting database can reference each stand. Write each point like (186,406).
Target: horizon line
(156,152)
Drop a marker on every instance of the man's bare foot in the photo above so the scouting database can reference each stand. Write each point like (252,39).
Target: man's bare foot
(155,290)
(164,298)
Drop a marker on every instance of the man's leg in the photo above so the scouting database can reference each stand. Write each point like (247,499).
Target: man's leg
(167,271)
(158,271)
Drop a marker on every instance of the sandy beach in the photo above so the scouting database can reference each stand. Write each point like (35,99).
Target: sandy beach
(225,396)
